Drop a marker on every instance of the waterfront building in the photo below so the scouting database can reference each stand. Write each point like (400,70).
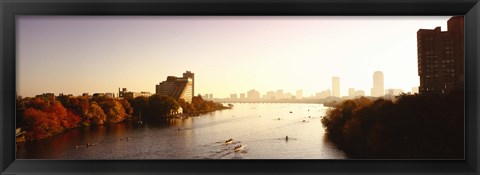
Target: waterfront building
(441,57)
(98,95)
(242,95)
(288,96)
(127,94)
(137,94)
(191,75)
(253,94)
(205,97)
(378,88)
(323,94)
(279,94)
(47,96)
(177,87)
(109,95)
(270,95)
(336,86)
(233,96)
(299,94)
(63,95)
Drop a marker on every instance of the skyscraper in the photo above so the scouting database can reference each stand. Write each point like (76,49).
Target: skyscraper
(191,75)
(336,86)
(441,57)
(177,87)
(253,94)
(378,89)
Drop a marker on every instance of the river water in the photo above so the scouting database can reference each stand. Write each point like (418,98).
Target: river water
(261,127)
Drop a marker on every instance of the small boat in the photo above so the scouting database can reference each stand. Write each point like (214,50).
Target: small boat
(91,144)
(228,141)
(291,112)
(86,145)
(238,148)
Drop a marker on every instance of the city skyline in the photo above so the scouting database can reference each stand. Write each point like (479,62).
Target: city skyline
(73,55)
(377,90)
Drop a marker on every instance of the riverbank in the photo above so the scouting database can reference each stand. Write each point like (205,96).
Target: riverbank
(412,127)
(198,113)
(42,118)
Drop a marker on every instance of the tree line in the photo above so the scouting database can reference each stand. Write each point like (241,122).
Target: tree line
(426,126)
(43,118)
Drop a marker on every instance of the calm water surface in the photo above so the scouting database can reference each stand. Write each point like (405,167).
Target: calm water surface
(261,127)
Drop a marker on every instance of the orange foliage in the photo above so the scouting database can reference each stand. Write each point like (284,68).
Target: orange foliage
(41,123)
(50,120)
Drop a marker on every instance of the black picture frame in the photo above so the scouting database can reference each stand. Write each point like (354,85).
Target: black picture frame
(10,8)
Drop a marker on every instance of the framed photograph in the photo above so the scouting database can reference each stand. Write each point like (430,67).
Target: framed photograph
(236,87)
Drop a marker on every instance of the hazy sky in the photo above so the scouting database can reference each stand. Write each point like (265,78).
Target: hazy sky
(76,54)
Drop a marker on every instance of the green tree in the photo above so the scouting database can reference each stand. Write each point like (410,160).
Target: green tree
(161,106)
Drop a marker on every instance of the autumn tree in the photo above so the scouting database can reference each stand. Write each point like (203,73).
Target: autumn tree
(127,106)
(47,118)
(113,109)
(96,114)
(40,124)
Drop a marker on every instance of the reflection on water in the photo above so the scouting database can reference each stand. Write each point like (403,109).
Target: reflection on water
(262,128)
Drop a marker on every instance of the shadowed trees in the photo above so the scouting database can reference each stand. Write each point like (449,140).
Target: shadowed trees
(154,107)
(414,126)
(161,106)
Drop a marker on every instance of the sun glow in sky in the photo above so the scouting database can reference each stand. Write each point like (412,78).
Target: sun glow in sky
(77,54)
